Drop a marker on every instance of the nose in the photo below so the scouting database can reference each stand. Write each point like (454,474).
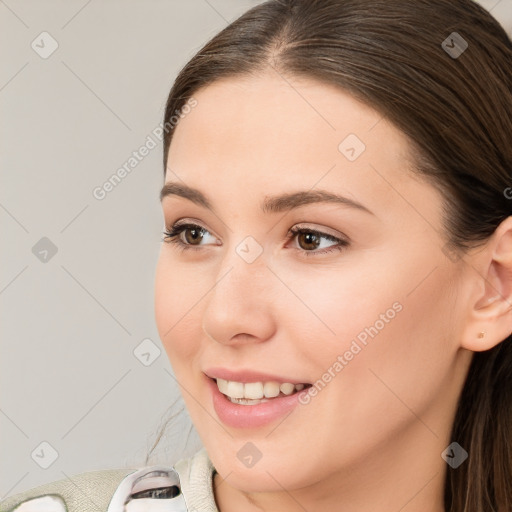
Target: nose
(239,308)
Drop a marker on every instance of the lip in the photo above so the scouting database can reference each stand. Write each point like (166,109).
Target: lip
(251,416)
(248,376)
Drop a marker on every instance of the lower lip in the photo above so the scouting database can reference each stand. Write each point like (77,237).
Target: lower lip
(251,416)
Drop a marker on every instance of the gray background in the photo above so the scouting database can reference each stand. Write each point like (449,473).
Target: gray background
(72,322)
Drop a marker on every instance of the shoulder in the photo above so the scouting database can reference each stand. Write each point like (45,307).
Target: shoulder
(90,490)
(185,486)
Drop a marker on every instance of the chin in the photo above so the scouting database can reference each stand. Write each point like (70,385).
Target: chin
(267,474)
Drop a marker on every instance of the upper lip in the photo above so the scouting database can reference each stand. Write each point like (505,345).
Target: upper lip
(248,376)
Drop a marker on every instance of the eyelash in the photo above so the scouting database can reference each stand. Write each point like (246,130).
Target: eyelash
(172,236)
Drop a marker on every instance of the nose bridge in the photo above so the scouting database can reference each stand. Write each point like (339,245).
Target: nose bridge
(244,267)
(239,302)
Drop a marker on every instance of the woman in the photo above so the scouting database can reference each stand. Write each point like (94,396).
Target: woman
(334,290)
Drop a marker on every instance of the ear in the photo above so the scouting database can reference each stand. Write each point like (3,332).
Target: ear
(490,316)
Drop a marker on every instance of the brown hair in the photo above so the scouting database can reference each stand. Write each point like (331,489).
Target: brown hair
(457,112)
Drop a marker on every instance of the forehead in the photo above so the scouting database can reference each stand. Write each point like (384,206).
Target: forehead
(273,112)
(253,134)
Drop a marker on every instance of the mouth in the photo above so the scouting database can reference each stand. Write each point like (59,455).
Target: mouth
(253,393)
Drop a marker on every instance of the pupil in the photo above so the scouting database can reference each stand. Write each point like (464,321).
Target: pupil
(309,239)
(196,234)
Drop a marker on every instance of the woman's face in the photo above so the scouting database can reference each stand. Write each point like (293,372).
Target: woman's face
(365,311)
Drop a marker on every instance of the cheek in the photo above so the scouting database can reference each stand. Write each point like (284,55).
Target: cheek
(365,322)
(420,345)
(396,353)
(331,309)
(177,303)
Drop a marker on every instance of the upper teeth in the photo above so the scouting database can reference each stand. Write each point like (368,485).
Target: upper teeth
(256,390)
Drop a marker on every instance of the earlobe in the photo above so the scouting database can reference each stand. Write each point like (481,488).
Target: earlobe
(490,316)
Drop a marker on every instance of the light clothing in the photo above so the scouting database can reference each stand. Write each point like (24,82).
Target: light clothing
(185,487)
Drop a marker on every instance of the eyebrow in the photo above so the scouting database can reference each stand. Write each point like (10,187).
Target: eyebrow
(271,204)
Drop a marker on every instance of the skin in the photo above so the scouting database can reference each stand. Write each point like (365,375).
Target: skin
(372,438)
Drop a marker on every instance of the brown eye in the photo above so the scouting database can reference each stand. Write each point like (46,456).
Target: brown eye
(308,240)
(193,234)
